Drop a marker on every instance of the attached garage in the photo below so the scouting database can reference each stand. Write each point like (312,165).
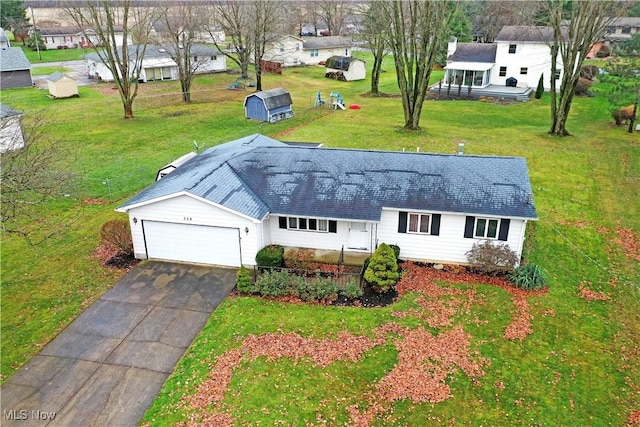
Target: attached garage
(200,244)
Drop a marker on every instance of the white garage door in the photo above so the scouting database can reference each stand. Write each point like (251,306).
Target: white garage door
(192,243)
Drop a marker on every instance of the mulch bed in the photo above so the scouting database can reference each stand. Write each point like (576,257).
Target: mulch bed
(112,258)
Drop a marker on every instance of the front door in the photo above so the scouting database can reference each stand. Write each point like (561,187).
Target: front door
(359,235)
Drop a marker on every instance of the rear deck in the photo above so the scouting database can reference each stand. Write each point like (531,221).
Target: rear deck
(491,92)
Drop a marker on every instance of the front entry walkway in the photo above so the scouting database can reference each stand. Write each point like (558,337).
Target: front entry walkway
(108,365)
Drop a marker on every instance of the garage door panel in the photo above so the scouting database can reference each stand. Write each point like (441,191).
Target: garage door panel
(192,243)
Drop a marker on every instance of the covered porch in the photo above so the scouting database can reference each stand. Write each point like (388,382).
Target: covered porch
(343,257)
(465,74)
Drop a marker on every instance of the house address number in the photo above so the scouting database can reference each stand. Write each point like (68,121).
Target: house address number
(188,218)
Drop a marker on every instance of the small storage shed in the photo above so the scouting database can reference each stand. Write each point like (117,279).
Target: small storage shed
(268,105)
(346,68)
(62,86)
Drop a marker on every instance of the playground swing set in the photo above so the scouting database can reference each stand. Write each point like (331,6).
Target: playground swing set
(335,101)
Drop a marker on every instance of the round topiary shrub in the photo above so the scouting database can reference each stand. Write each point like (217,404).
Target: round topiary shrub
(270,256)
(382,273)
(244,283)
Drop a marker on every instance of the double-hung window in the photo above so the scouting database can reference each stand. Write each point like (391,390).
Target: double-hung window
(487,228)
(512,48)
(419,223)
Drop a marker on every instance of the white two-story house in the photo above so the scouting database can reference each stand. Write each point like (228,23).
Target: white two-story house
(517,58)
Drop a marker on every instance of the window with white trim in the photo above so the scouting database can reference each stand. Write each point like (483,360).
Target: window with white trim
(524,70)
(307,224)
(314,52)
(486,228)
(419,223)
(503,71)
(512,48)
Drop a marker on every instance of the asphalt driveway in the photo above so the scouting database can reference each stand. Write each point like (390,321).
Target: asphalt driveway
(108,365)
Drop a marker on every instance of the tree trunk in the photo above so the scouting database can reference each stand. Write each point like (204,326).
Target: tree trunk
(375,75)
(186,91)
(258,76)
(632,122)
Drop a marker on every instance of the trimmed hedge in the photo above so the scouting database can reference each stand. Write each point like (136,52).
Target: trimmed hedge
(270,256)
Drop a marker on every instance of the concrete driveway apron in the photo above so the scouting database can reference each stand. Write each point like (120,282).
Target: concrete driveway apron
(108,365)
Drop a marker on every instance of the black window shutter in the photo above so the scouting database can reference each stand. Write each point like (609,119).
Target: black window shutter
(504,229)
(468,227)
(435,224)
(282,221)
(333,226)
(402,222)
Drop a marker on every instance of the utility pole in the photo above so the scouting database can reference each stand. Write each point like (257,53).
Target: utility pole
(35,34)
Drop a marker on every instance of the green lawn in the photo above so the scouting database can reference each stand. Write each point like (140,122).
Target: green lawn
(581,364)
(53,55)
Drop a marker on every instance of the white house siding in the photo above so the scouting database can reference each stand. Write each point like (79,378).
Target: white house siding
(535,56)
(287,51)
(450,246)
(314,239)
(324,54)
(208,65)
(185,209)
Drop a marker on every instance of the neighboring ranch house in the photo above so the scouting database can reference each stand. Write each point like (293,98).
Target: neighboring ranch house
(269,105)
(517,58)
(346,68)
(15,68)
(230,201)
(74,37)
(11,136)
(620,29)
(158,64)
(62,86)
(291,50)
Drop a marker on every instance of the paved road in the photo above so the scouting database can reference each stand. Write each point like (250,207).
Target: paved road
(108,365)
(77,70)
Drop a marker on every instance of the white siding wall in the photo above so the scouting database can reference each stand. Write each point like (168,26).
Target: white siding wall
(536,57)
(449,247)
(311,239)
(357,71)
(188,210)
(324,54)
(287,51)
(209,65)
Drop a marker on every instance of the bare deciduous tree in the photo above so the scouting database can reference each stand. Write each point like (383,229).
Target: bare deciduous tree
(335,14)
(375,26)
(491,15)
(266,17)
(31,177)
(233,17)
(576,27)
(106,17)
(180,25)
(416,32)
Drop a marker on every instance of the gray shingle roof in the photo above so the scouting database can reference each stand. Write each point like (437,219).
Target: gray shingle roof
(57,76)
(257,175)
(6,112)
(474,52)
(325,42)
(156,52)
(272,98)
(341,62)
(523,33)
(13,59)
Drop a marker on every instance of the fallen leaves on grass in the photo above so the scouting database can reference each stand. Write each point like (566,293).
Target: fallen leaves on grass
(629,242)
(591,295)
(520,326)
(634,418)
